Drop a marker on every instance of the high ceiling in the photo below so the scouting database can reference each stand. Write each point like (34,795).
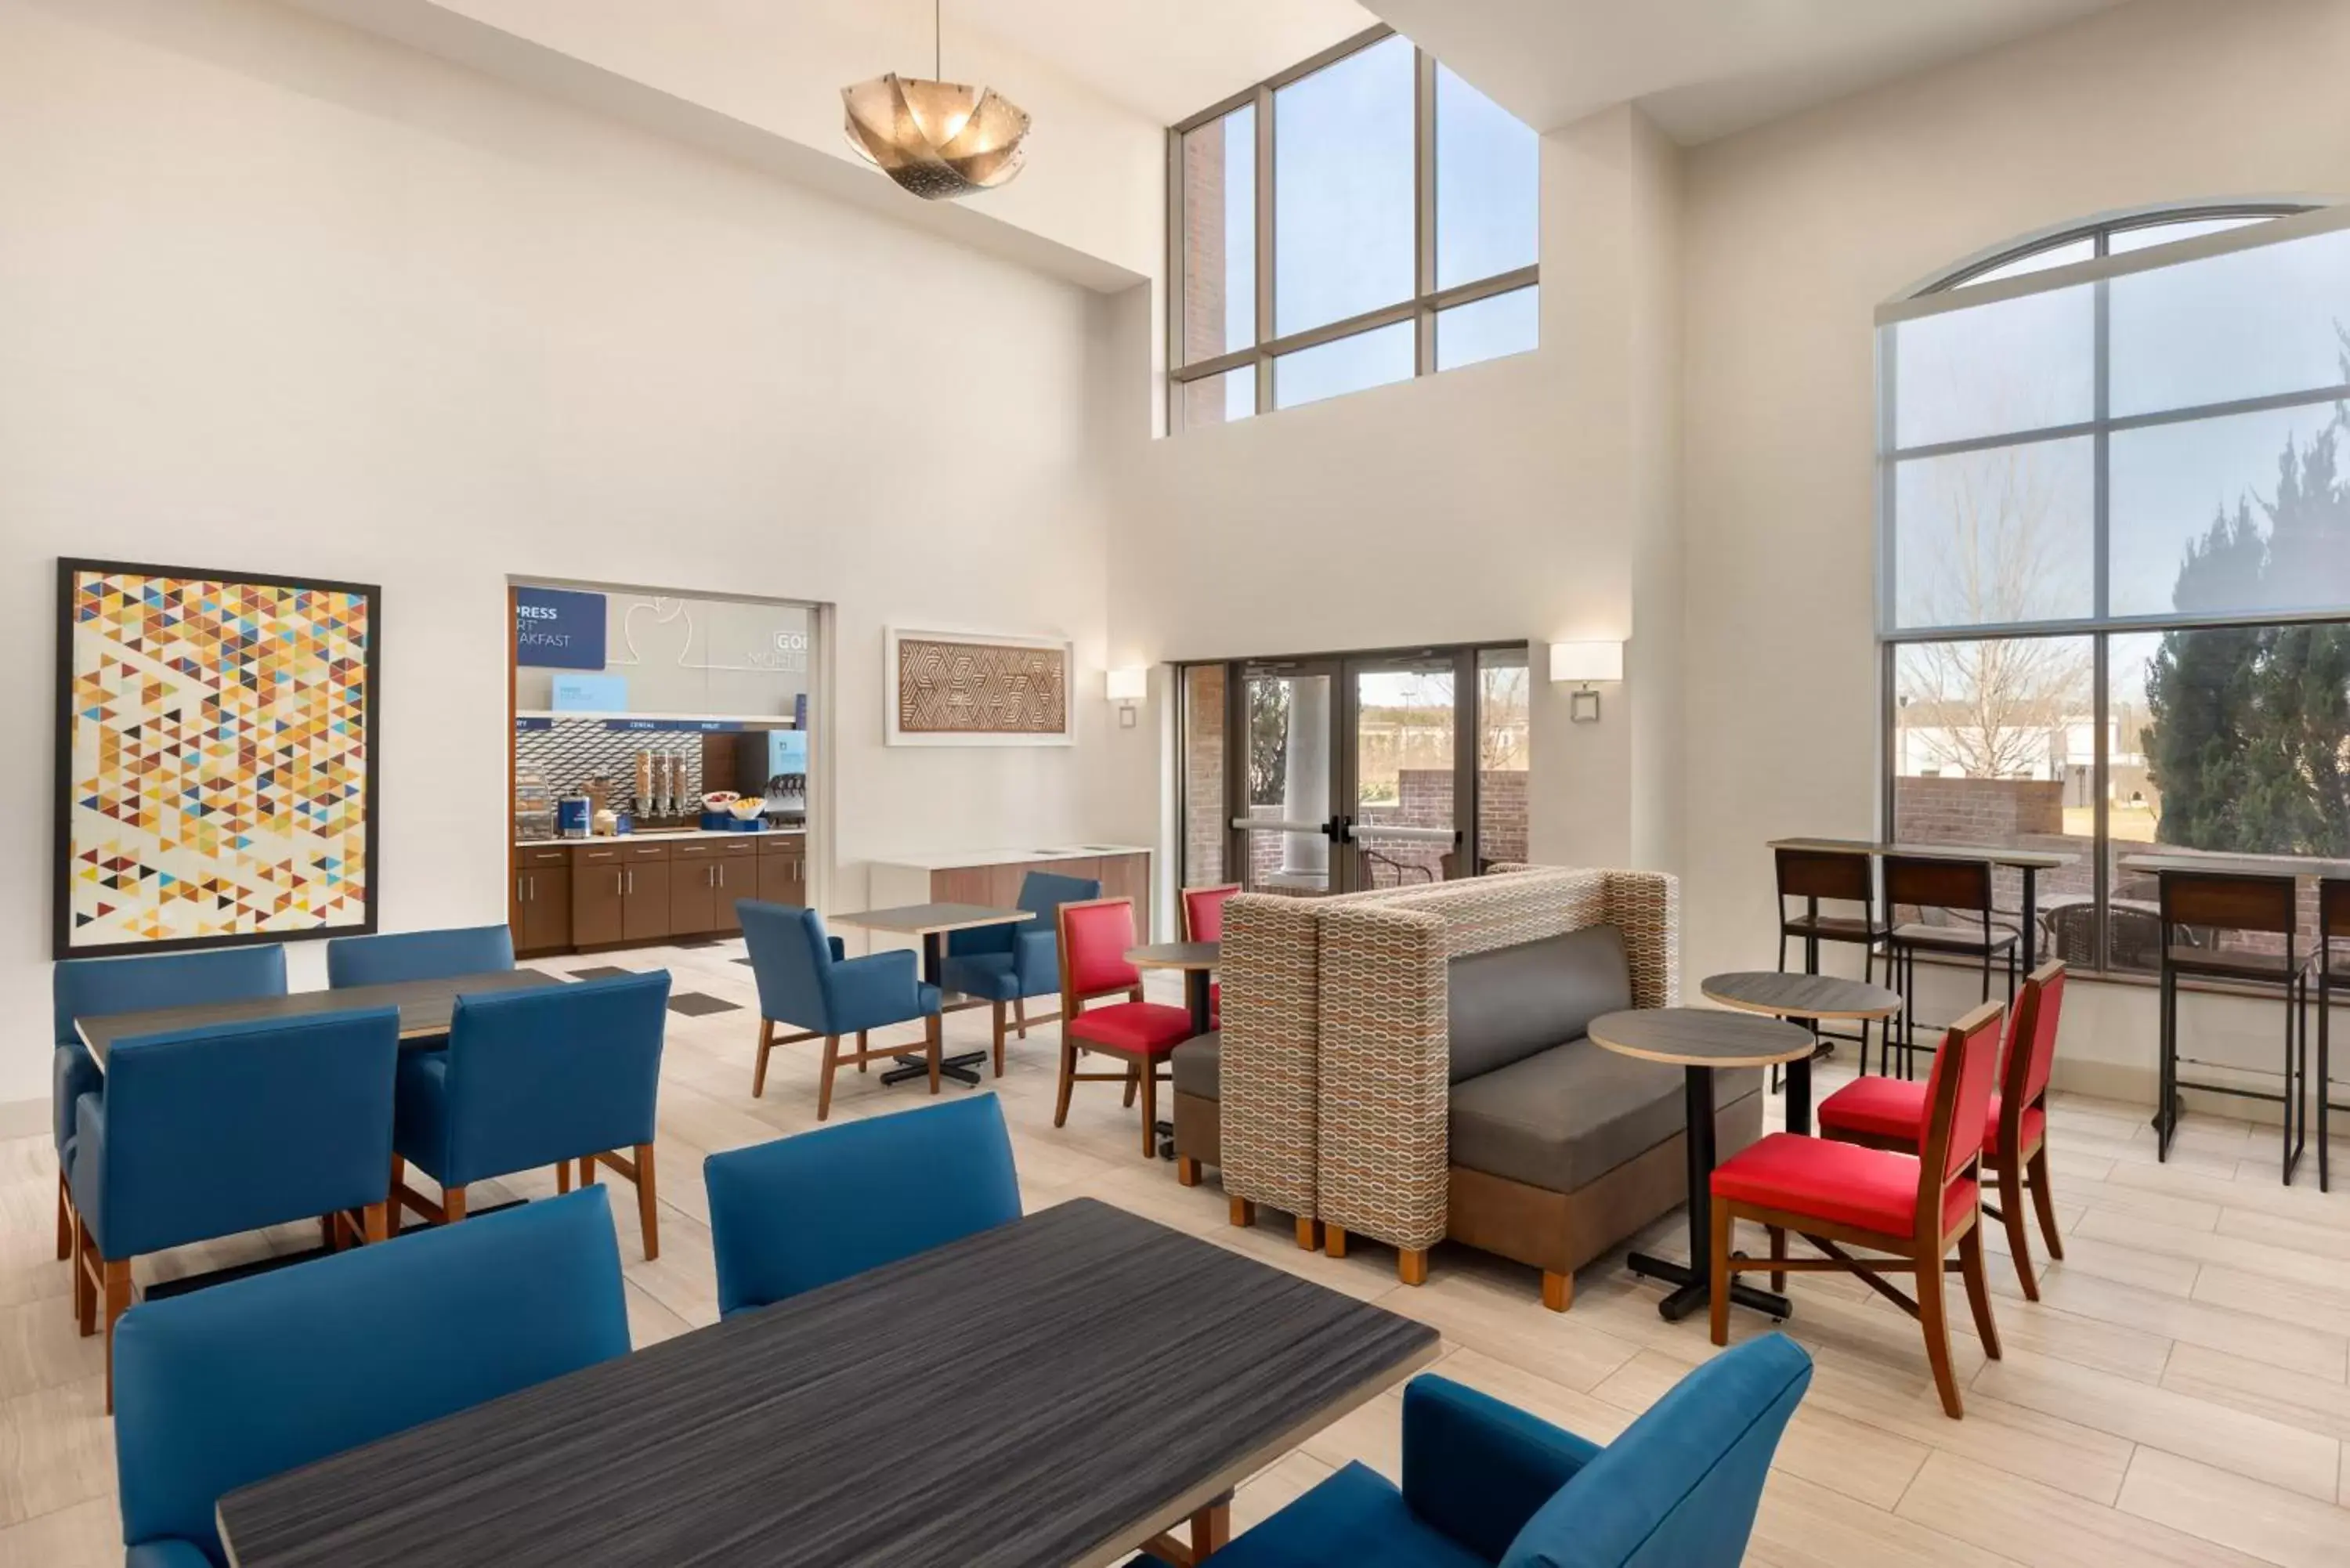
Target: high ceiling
(1703,68)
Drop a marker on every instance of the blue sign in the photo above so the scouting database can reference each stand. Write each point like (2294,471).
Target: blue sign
(589,694)
(558,628)
(526,726)
(676,726)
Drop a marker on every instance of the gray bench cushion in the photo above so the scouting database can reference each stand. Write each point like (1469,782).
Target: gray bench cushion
(1198,1064)
(1561,1119)
(1504,1005)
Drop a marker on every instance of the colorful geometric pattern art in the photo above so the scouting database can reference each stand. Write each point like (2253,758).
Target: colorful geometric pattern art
(971,687)
(217,746)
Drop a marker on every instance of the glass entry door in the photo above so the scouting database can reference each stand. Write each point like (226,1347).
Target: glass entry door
(1355,772)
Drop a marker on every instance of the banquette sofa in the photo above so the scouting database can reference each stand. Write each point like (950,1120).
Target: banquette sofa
(1412,1065)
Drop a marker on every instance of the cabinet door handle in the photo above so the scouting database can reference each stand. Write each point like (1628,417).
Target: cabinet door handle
(519,894)
(531,882)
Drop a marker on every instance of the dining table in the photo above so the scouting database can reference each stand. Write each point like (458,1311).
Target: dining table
(2029,863)
(930,925)
(1196,963)
(1803,999)
(1059,1392)
(425,1008)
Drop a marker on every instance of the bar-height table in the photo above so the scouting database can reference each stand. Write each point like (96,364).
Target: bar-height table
(1061,1390)
(1698,1040)
(425,1008)
(2029,862)
(933,923)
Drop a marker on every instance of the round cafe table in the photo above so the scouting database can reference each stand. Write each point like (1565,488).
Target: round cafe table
(1699,1040)
(1803,999)
(1197,962)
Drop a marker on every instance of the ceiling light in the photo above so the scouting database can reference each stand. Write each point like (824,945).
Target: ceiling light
(939,139)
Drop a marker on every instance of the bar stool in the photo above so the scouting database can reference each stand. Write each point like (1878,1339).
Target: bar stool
(1837,876)
(2333,926)
(1961,888)
(2256,906)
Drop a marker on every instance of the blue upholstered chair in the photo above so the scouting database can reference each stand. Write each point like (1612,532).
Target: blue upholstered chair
(92,988)
(1485,1485)
(207,1132)
(537,1077)
(799,1212)
(806,983)
(419,955)
(242,1381)
(1005,965)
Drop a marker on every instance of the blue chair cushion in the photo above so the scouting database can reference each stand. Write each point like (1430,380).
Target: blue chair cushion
(95,987)
(1354,1519)
(419,955)
(73,1073)
(988,976)
(241,1381)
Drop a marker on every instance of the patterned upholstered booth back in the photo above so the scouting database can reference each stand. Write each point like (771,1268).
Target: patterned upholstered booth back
(1335,1089)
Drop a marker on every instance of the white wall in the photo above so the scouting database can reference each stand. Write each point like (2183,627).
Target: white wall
(1527,497)
(283,296)
(1796,232)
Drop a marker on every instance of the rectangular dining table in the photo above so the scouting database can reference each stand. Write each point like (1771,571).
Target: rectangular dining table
(2029,862)
(1060,1390)
(425,1007)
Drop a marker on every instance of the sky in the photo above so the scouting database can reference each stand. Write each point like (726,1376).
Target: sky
(1343,183)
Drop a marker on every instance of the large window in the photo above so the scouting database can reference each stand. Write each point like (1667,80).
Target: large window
(1365,218)
(2115,556)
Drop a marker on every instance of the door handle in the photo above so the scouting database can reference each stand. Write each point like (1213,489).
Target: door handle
(519,893)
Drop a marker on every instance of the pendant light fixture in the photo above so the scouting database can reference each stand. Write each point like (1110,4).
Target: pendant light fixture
(937,139)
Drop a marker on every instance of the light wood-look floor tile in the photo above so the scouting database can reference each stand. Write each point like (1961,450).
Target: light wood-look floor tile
(2221,1506)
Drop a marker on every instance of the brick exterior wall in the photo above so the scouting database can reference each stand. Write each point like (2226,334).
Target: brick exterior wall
(1202,284)
(1203,775)
(1976,811)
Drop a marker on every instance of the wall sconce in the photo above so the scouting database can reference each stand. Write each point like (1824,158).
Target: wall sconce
(1585,662)
(1125,687)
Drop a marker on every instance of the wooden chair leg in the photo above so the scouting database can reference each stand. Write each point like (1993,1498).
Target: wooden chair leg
(1932,1317)
(824,1084)
(1068,1081)
(1187,1170)
(118,1302)
(562,1177)
(1722,1278)
(1309,1235)
(1212,1529)
(375,1222)
(587,1177)
(65,1217)
(2043,1202)
(648,1202)
(862,1065)
(85,1287)
(1778,1234)
(1411,1266)
(452,1205)
(330,1234)
(1243,1211)
(1970,1269)
(1133,1083)
(1149,1081)
(934,1045)
(1333,1240)
(1020,1015)
(391,1207)
(759,1068)
(2019,1242)
(997,1014)
(1558,1290)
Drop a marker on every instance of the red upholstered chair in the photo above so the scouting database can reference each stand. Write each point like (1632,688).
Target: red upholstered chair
(1095,935)
(1889,1113)
(1202,910)
(1909,1210)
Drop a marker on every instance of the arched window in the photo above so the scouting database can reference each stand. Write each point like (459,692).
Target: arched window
(2114,555)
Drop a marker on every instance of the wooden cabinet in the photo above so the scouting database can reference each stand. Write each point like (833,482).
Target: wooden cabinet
(692,887)
(540,914)
(645,895)
(737,877)
(782,869)
(1128,877)
(994,879)
(598,896)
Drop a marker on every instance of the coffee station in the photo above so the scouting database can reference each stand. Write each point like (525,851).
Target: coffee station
(636,820)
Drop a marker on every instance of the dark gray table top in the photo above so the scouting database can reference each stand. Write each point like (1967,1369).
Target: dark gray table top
(426,1006)
(1809,996)
(2298,866)
(1175,955)
(923,919)
(1700,1037)
(1053,1392)
(1996,854)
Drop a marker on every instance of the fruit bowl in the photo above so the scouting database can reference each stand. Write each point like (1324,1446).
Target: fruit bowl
(747,808)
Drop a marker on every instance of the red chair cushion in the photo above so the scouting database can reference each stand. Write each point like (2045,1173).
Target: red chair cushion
(1892,1108)
(1216,1005)
(1138,1028)
(1872,1188)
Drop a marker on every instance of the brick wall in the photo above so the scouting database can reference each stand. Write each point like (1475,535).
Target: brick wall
(1202,284)
(1980,811)
(1203,775)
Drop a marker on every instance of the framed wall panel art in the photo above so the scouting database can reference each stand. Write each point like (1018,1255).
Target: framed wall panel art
(977,689)
(215,758)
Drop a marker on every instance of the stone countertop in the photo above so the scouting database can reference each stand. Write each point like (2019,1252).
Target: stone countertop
(661,837)
(957,860)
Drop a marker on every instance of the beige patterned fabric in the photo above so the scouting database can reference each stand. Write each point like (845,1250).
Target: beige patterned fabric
(1334,1056)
